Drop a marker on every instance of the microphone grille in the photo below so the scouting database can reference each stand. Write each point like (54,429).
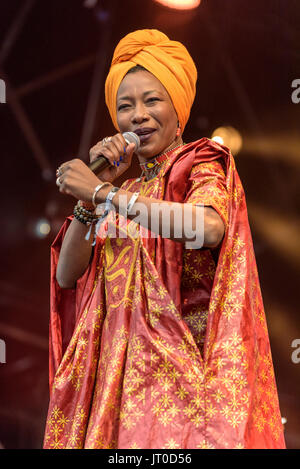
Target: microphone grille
(131,137)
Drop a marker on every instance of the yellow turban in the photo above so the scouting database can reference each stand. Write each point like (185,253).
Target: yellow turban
(169,61)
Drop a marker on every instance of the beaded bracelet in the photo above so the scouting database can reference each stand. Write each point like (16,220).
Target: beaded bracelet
(84,220)
(84,210)
(84,216)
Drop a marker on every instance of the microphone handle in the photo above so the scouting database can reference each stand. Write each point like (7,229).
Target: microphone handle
(99,164)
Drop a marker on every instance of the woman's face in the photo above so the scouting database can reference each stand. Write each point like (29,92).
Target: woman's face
(145,107)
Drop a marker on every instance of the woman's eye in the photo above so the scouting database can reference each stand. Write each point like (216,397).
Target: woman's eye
(123,106)
(150,100)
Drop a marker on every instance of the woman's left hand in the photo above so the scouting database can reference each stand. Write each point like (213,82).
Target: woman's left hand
(76,179)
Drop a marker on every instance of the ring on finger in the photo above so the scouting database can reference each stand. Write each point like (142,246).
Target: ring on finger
(106,139)
(58,183)
(58,172)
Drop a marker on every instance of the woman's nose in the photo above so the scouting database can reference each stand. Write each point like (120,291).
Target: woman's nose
(140,114)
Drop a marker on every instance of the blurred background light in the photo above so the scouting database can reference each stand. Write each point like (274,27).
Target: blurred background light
(39,228)
(230,137)
(274,227)
(90,3)
(180,4)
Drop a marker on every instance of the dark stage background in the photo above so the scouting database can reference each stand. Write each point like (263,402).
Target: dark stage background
(54,56)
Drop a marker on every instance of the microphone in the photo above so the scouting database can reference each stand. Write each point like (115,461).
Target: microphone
(101,162)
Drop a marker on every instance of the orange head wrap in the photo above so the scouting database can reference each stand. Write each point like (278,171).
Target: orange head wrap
(169,61)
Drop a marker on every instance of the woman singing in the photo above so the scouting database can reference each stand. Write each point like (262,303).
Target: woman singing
(156,342)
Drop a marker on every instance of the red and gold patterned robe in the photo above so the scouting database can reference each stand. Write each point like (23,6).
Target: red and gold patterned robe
(161,346)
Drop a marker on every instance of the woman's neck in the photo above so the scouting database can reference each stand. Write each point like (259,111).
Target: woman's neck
(178,141)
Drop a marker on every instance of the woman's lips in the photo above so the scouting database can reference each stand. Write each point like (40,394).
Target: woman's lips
(145,137)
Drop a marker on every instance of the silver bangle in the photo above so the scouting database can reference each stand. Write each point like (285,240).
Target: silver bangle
(111,194)
(132,202)
(97,189)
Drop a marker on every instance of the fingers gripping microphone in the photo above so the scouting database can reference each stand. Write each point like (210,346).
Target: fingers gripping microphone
(101,162)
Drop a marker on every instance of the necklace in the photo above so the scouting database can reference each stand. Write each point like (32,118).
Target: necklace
(149,168)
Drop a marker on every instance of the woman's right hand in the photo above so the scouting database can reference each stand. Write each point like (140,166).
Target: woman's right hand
(113,150)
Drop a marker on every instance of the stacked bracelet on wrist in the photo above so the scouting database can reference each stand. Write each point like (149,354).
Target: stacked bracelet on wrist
(84,213)
(87,217)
